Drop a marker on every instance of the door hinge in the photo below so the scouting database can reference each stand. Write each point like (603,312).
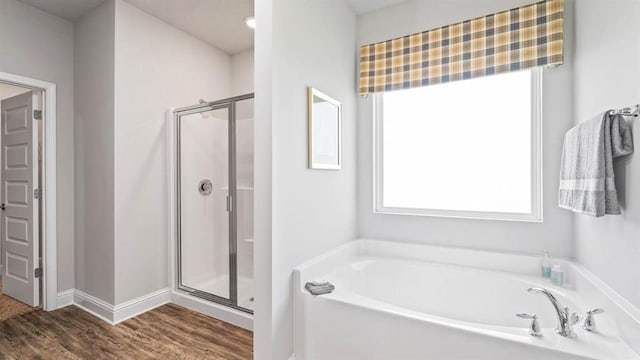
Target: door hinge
(36,193)
(229,203)
(37,114)
(38,273)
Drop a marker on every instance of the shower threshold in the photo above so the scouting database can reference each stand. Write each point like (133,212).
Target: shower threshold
(218,288)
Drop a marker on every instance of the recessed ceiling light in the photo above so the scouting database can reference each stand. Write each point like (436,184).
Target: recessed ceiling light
(250,21)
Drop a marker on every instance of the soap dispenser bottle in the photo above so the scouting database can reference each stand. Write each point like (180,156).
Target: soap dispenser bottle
(557,275)
(545,265)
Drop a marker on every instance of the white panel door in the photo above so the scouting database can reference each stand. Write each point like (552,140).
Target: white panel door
(20,243)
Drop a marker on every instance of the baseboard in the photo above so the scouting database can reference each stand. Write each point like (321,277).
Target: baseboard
(110,313)
(140,305)
(65,298)
(94,306)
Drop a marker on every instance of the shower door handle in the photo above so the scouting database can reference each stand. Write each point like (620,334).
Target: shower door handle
(229,203)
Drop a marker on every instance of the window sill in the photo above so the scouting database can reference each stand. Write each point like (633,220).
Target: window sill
(460,214)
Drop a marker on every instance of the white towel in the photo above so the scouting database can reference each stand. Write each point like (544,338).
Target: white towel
(587,182)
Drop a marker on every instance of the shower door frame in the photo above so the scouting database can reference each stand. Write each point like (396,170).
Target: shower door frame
(230,104)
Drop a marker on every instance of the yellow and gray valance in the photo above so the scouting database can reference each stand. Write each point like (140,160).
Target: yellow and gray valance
(511,40)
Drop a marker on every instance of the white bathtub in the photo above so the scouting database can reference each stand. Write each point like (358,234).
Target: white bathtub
(398,301)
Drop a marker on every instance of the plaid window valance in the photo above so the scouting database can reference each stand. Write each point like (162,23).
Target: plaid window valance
(511,40)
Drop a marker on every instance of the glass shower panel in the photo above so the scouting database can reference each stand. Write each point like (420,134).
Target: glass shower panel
(204,188)
(244,126)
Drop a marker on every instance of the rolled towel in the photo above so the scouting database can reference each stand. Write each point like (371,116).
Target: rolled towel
(319,287)
(587,181)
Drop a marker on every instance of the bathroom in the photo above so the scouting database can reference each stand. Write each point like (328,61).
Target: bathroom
(195,204)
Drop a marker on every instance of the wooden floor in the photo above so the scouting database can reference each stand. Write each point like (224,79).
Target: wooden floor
(168,332)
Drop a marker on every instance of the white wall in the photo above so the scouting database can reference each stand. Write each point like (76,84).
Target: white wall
(242,73)
(156,67)
(94,153)
(313,44)
(555,233)
(606,77)
(38,45)
(263,194)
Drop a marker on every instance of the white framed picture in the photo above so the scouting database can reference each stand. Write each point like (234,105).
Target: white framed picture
(325,131)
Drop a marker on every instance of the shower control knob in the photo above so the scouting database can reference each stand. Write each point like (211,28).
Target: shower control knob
(205,187)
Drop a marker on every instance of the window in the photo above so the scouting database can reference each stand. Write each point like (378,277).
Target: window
(462,149)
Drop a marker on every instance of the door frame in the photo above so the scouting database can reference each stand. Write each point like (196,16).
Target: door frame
(48,242)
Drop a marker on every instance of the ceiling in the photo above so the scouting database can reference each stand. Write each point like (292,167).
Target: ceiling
(7,90)
(217,22)
(365,6)
(71,10)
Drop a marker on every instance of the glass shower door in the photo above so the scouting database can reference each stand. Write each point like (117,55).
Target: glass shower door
(215,201)
(204,183)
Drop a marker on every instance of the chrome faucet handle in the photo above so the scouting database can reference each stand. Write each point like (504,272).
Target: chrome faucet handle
(589,321)
(534,328)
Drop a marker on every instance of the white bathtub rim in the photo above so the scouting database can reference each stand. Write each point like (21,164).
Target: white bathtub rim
(618,300)
(536,281)
(360,247)
(504,261)
(512,262)
(628,315)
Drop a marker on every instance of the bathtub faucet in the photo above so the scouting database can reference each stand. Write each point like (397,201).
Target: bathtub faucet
(566,319)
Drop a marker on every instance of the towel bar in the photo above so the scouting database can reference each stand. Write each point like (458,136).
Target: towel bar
(628,111)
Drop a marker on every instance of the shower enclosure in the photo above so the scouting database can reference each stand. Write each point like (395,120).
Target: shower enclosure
(214,201)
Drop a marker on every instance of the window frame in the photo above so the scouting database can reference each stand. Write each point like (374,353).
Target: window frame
(536,214)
